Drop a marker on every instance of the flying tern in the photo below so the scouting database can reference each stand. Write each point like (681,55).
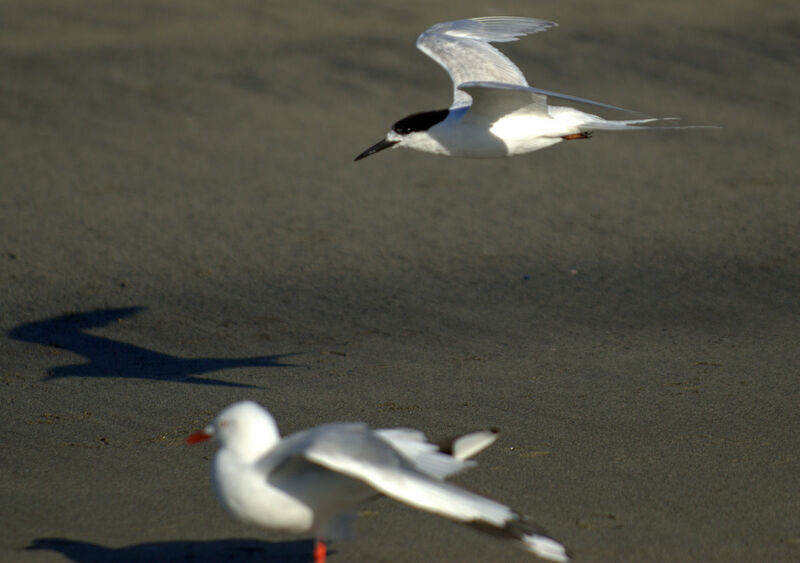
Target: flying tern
(313,481)
(495,112)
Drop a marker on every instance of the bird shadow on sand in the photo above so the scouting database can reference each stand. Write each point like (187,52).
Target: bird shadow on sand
(112,358)
(214,551)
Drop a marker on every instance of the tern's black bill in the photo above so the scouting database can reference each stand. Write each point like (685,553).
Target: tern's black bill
(377,147)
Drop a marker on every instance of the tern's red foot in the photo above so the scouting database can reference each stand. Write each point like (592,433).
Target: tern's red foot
(584,135)
(320,551)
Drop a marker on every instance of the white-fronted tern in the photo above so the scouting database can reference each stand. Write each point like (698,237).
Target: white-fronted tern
(495,112)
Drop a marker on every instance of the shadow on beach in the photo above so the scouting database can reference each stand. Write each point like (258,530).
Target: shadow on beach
(112,358)
(229,550)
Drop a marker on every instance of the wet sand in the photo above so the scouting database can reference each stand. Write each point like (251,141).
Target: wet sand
(182,227)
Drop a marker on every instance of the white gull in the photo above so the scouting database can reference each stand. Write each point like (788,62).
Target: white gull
(313,481)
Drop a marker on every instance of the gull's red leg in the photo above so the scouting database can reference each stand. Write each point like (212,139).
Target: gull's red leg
(584,135)
(320,551)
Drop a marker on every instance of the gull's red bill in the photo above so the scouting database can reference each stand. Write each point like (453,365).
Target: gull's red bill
(198,437)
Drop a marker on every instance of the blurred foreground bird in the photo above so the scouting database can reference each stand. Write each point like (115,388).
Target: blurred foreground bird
(314,480)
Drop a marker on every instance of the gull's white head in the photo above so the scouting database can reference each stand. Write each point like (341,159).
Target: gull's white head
(411,132)
(245,428)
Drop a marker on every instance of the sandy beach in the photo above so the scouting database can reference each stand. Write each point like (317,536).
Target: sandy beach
(183,226)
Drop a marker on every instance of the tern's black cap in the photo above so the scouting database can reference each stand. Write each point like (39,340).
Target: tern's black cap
(420,121)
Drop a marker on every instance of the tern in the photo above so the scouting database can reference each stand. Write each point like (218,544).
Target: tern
(495,112)
(315,480)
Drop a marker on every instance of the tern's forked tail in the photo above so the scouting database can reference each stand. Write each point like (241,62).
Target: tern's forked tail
(656,124)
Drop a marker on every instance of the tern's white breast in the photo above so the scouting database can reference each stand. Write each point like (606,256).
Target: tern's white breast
(525,133)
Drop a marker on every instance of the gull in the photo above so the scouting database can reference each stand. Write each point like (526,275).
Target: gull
(315,480)
(495,112)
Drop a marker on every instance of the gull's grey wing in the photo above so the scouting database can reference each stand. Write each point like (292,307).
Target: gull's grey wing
(336,467)
(462,48)
(468,445)
(354,452)
(438,497)
(411,487)
(346,439)
(333,495)
(425,456)
(493,100)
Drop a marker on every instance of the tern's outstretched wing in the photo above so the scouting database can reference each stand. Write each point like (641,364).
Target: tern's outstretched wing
(462,48)
(493,100)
